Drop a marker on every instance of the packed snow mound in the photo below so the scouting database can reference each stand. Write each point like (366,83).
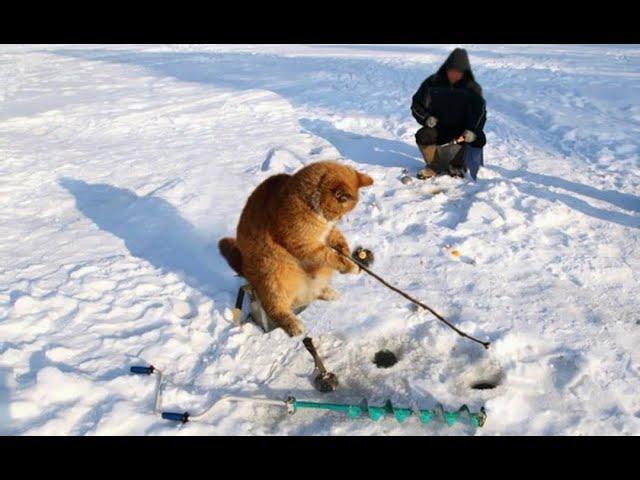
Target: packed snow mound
(122,166)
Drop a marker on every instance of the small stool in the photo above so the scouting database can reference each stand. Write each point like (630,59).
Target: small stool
(256,313)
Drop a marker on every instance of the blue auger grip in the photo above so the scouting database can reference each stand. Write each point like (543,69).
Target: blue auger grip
(143,370)
(176,417)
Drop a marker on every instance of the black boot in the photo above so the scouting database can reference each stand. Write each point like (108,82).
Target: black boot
(456,166)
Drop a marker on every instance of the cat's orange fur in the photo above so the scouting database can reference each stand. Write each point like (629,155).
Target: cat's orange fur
(285,237)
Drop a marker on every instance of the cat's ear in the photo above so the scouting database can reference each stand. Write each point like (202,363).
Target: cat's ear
(364,180)
(316,198)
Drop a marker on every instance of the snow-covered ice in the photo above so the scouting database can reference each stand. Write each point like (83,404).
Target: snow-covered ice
(121,167)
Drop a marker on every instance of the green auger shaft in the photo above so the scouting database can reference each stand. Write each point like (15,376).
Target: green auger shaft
(375,412)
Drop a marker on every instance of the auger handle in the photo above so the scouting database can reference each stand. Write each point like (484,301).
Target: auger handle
(176,416)
(140,370)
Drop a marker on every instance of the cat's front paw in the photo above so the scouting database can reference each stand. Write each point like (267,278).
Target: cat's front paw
(293,328)
(348,266)
(329,294)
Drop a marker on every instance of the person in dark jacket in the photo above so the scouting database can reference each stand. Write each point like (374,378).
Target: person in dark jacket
(449,105)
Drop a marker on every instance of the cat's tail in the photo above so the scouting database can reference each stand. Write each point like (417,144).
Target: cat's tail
(229,250)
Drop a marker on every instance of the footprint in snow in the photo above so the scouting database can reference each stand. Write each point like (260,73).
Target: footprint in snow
(184,309)
(281,160)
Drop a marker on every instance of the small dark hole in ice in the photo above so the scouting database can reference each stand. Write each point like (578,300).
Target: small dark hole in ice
(484,385)
(385,359)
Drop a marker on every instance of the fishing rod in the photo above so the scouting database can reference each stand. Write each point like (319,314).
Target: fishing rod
(361,256)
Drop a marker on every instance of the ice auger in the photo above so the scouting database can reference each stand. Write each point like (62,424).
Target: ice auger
(375,413)
(477,419)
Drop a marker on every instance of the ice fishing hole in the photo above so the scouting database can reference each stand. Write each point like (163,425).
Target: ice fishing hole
(385,359)
(485,384)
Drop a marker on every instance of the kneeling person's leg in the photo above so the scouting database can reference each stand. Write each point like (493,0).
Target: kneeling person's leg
(426,139)
(426,136)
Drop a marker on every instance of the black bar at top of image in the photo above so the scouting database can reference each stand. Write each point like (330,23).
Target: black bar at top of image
(325,22)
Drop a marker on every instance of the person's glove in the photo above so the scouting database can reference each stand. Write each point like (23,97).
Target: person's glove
(432,122)
(469,136)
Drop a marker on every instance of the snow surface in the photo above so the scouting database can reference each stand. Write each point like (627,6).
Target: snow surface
(121,167)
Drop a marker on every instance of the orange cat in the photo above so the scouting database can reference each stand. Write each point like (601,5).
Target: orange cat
(285,235)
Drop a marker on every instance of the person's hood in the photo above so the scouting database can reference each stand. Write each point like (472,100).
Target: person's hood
(459,60)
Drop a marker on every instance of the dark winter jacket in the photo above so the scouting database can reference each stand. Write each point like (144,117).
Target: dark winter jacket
(457,107)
